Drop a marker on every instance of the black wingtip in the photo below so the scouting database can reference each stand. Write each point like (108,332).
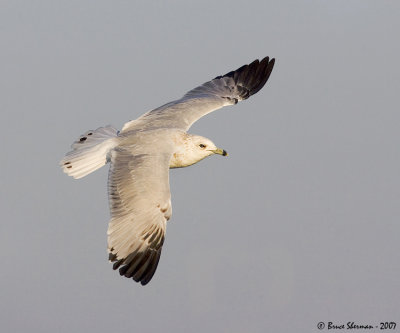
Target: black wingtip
(266,73)
(140,266)
(252,77)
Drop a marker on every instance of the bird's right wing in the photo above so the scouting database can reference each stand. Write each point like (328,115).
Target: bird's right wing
(140,205)
(224,90)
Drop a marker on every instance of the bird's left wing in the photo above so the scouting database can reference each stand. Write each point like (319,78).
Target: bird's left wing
(140,205)
(224,90)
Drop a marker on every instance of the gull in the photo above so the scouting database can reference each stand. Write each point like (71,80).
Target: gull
(141,155)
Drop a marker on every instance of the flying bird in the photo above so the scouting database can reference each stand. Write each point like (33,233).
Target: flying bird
(141,155)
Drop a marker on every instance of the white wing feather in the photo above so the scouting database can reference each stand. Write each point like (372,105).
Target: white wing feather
(140,204)
(224,90)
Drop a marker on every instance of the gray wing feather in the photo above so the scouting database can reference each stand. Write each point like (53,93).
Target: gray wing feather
(140,206)
(223,90)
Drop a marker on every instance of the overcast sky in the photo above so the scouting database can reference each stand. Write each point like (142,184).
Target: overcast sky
(300,224)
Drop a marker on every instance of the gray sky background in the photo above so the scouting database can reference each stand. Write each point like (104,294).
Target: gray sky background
(300,224)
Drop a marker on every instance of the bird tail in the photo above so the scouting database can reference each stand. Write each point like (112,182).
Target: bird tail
(89,152)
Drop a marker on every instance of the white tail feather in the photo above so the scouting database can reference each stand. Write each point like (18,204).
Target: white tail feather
(89,152)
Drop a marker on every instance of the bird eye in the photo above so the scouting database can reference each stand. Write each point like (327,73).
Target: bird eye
(202,146)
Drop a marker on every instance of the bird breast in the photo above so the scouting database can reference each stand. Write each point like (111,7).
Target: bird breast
(183,159)
(178,160)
